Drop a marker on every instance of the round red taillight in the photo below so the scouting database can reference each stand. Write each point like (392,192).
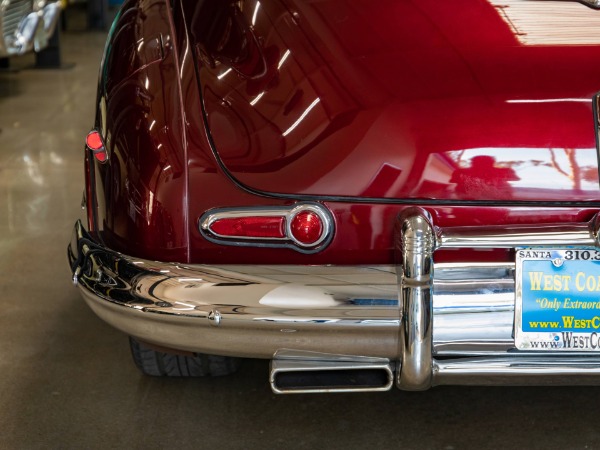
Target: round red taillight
(306,227)
(94,142)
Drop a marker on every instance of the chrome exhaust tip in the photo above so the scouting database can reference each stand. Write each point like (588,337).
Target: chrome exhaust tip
(307,372)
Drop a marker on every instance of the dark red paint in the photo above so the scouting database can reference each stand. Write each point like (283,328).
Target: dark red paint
(425,102)
(423,87)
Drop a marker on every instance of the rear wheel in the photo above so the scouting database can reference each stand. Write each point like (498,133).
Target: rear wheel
(162,364)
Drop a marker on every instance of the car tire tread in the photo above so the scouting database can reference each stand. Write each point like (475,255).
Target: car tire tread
(161,364)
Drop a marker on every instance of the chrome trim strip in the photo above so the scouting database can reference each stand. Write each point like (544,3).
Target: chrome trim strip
(519,370)
(596,112)
(207,220)
(583,234)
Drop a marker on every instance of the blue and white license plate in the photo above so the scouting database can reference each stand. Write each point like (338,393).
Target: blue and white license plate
(557,304)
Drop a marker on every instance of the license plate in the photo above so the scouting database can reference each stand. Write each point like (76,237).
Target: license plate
(557,302)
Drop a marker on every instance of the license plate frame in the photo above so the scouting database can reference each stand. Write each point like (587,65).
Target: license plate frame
(557,299)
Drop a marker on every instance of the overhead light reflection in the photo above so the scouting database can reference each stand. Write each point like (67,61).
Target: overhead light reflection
(188,307)
(255,13)
(224,74)
(302,116)
(258,97)
(184,60)
(33,170)
(56,159)
(283,58)
(551,100)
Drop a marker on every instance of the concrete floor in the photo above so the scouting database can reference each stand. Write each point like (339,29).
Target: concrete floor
(66,378)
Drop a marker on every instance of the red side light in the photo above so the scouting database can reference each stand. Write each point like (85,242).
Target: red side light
(306,227)
(250,227)
(100,156)
(94,142)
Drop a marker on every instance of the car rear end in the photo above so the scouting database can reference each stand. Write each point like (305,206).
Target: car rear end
(368,195)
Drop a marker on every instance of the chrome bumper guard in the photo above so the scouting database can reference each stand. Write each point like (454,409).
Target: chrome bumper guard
(452,328)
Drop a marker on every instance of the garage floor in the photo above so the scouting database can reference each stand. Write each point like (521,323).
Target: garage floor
(66,379)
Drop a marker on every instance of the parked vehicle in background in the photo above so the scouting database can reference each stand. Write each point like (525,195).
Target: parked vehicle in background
(367,193)
(26,25)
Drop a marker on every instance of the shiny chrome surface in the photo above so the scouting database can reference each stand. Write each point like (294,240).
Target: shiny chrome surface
(13,12)
(314,367)
(518,370)
(521,236)
(281,306)
(24,27)
(444,323)
(416,242)
(592,3)
(473,309)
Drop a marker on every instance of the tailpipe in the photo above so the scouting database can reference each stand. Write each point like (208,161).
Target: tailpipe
(299,372)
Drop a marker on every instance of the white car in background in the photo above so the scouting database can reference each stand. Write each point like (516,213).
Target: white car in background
(26,25)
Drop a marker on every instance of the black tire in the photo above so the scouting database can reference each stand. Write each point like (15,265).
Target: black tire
(161,364)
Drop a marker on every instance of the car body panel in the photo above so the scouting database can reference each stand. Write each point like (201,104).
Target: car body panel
(141,190)
(401,100)
(166,167)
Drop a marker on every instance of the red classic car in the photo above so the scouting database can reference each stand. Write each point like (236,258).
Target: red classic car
(366,193)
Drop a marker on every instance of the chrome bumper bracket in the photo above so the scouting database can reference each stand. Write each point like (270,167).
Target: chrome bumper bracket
(415,241)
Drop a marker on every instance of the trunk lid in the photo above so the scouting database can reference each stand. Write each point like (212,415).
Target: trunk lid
(462,100)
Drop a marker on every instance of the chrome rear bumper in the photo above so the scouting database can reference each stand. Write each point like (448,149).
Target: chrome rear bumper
(452,328)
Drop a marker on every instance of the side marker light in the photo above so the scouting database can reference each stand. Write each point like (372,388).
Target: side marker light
(93,141)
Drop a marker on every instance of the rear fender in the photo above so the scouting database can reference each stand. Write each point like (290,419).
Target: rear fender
(138,194)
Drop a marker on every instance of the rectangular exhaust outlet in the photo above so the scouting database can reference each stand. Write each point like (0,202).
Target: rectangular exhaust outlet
(291,373)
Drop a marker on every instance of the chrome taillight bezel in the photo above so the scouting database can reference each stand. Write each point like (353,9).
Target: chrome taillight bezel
(287,212)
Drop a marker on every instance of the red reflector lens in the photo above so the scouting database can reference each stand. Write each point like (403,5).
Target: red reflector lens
(100,156)
(253,227)
(94,141)
(306,227)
